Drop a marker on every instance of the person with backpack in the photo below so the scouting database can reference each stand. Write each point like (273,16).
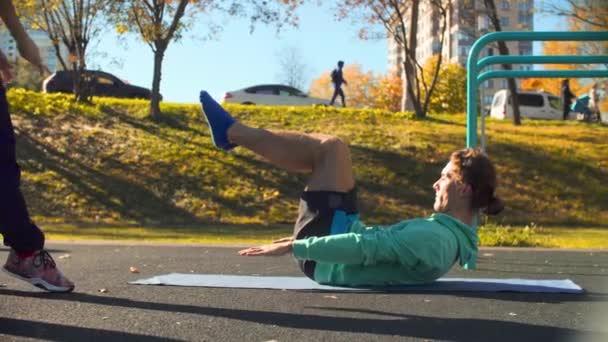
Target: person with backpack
(27,259)
(338,79)
(567,97)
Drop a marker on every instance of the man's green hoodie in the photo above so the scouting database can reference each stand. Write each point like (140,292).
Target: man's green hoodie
(410,252)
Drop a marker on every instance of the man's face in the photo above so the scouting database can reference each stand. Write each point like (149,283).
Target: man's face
(448,191)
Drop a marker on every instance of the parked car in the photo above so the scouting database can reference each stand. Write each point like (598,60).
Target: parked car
(272,94)
(532,105)
(100,84)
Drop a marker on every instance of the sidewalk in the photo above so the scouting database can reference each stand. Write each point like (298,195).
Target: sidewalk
(130,312)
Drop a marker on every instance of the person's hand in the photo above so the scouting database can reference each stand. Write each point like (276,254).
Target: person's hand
(5,69)
(29,51)
(273,249)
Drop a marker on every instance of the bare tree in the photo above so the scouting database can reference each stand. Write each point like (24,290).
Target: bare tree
(504,50)
(159,22)
(292,68)
(70,23)
(584,15)
(593,13)
(400,22)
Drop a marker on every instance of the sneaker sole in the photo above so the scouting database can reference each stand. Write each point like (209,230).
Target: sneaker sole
(39,283)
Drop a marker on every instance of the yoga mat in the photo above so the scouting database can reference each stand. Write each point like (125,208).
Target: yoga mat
(303,283)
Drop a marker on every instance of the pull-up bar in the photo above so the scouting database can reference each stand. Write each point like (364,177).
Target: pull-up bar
(474,67)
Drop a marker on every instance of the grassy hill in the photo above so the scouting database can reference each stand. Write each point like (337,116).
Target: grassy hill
(109,163)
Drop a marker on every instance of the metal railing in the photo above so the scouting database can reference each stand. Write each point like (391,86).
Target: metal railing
(475,65)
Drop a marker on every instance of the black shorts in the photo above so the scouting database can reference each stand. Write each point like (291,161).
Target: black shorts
(323,213)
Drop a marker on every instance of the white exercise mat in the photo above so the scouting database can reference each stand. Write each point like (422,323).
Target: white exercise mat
(303,283)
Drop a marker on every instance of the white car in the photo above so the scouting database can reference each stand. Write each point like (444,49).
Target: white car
(532,105)
(273,95)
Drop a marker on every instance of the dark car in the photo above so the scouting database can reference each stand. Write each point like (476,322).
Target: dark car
(100,84)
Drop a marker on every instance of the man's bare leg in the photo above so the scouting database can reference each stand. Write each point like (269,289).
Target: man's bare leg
(325,156)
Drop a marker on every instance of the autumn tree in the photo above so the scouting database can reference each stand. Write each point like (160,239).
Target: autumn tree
(399,20)
(582,15)
(451,91)
(72,24)
(553,85)
(386,94)
(160,22)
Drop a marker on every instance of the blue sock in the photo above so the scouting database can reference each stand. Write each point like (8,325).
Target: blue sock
(219,120)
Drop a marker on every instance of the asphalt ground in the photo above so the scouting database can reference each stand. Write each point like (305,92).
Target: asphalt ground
(134,312)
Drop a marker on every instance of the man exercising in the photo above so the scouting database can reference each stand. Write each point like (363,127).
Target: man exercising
(331,244)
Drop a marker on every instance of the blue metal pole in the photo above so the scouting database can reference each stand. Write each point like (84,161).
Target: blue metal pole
(473,67)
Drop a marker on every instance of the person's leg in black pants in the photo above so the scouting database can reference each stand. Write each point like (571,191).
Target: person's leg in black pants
(15,225)
(27,260)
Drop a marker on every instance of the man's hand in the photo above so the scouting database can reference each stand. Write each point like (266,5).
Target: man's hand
(5,69)
(29,51)
(273,249)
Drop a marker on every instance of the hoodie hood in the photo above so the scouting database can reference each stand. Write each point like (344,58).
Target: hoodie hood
(466,236)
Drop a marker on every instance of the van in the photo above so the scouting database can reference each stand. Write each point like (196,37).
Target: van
(532,105)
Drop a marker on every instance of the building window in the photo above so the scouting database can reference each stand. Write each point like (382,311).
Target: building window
(504,4)
(487,100)
(523,6)
(504,83)
(522,18)
(483,23)
(463,50)
(436,47)
(490,52)
(488,84)
(504,21)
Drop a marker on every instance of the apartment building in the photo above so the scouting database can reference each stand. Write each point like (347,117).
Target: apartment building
(40,38)
(467,21)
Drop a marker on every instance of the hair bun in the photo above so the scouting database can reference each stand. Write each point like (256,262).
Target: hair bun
(495,206)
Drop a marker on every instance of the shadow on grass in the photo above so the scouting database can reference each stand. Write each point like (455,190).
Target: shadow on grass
(575,180)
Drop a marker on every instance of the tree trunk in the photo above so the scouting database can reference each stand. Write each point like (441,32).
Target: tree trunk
(408,102)
(155,113)
(504,50)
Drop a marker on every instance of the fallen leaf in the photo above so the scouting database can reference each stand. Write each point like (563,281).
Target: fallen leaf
(427,300)
(133,269)
(104,317)
(487,254)
(332,297)
(103,290)
(65,256)
(512,314)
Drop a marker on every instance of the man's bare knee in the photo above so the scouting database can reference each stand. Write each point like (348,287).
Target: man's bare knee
(334,147)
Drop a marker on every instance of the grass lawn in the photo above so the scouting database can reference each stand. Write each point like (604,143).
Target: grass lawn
(107,171)
(556,237)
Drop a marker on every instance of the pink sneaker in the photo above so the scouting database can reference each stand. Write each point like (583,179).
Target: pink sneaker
(39,270)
